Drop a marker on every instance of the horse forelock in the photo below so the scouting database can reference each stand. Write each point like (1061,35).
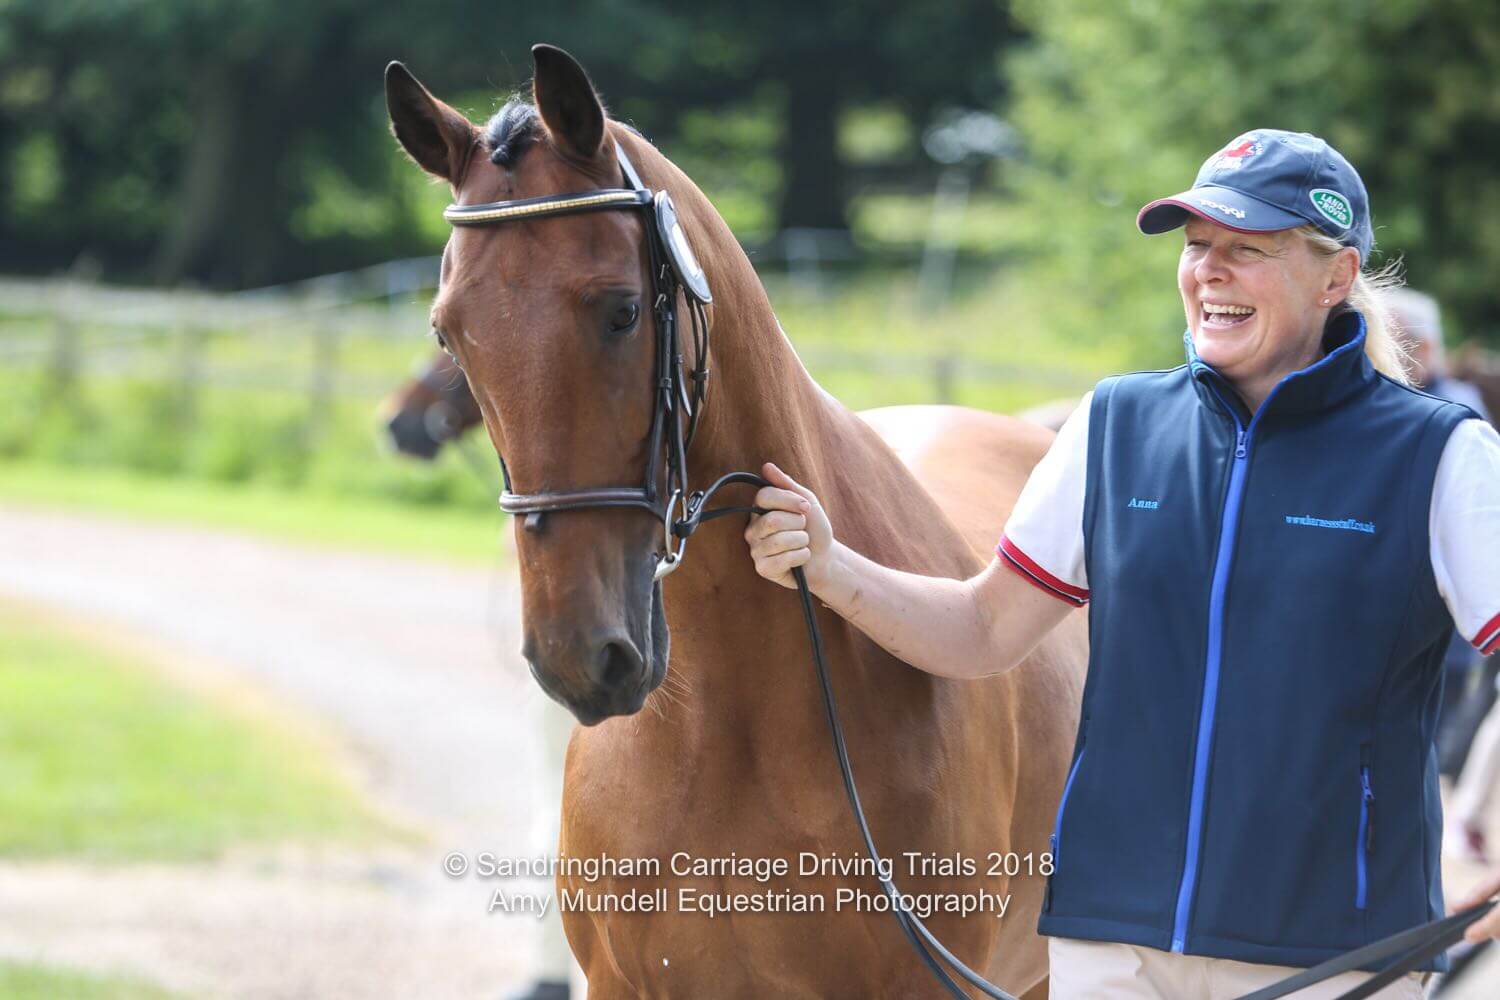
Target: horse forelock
(511,131)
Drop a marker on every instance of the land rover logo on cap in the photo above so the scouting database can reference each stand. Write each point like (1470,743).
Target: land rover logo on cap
(1332,206)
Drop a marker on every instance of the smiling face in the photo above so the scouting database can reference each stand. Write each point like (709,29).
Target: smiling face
(1256,302)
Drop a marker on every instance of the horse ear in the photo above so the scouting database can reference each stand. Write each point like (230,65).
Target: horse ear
(567,101)
(437,137)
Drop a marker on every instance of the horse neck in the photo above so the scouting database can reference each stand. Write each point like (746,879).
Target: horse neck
(763,405)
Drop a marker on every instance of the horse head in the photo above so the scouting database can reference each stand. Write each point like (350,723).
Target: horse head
(551,317)
(430,410)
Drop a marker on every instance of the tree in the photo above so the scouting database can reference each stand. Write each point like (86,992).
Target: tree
(240,144)
(1120,103)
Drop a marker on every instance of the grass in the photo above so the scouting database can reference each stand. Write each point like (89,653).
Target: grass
(254,447)
(29,981)
(102,759)
(366,523)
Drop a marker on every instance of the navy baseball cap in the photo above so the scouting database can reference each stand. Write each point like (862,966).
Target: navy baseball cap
(1267,180)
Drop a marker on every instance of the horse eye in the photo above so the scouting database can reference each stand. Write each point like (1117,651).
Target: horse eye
(441,340)
(624,318)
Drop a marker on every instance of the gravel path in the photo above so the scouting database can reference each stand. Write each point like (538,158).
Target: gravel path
(408,670)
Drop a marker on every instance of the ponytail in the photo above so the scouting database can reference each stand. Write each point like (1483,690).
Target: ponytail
(1383,346)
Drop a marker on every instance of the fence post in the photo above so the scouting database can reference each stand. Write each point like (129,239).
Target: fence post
(944,377)
(63,366)
(321,384)
(190,373)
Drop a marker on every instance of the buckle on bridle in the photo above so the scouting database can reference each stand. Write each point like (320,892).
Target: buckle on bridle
(669,562)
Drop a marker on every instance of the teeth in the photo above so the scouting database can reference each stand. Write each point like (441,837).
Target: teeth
(1212,308)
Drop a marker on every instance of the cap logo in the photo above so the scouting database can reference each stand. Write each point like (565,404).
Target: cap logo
(1237,213)
(1332,206)
(1234,155)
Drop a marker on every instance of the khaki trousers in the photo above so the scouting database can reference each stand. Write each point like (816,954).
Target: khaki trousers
(1100,970)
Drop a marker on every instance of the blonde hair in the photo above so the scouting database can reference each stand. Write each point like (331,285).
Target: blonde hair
(1370,295)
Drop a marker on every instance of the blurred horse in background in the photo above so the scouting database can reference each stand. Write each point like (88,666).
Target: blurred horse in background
(430,410)
(436,406)
(421,416)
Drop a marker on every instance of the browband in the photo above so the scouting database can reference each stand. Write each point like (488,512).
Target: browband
(599,199)
(525,208)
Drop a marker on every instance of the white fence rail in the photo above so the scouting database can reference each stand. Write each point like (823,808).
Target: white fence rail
(43,323)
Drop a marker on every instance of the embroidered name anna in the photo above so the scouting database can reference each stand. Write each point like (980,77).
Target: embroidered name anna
(1348,523)
(1140,504)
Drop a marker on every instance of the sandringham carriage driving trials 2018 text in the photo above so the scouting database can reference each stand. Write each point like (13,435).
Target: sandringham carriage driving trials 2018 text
(913,864)
(654,897)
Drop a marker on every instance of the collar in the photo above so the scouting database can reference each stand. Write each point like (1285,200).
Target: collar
(1343,371)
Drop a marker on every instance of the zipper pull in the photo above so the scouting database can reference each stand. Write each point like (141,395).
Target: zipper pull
(1369,794)
(1239,443)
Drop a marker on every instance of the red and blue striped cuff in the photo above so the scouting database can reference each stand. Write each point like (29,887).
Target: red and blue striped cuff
(1029,570)
(1487,639)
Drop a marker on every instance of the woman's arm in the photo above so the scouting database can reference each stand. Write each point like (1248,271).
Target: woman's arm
(952,628)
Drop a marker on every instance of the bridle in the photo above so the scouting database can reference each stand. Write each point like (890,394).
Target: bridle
(677,396)
(674,269)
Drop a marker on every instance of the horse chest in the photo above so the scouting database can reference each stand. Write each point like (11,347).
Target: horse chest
(760,885)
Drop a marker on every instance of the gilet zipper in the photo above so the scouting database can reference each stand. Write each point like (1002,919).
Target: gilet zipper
(1228,527)
(1366,842)
(1057,823)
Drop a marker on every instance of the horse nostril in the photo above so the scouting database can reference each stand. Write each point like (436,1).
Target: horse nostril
(616,663)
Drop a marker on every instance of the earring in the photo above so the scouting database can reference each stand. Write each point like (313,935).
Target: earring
(1326,301)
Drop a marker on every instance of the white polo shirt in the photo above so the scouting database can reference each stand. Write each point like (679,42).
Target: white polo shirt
(1043,540)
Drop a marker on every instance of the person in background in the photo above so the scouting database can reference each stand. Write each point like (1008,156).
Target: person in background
(1468,726)
(1418,316)
(1464,836)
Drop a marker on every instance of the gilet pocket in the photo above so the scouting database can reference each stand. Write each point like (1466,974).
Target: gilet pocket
(1062,807)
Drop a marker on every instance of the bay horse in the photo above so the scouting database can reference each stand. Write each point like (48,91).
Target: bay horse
(426,412)
(728,768)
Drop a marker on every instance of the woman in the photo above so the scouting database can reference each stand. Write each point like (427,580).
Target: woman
(1275,540)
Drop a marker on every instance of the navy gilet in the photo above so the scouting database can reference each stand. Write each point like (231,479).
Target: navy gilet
(1254,776)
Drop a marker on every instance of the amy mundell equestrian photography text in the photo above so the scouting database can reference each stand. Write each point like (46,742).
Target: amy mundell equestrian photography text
(687,883)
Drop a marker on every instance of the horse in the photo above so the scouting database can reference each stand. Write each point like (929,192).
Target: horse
(703,772)
(428,411)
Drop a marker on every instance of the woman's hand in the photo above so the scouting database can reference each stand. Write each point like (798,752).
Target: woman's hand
(794,531)
(1489,927)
